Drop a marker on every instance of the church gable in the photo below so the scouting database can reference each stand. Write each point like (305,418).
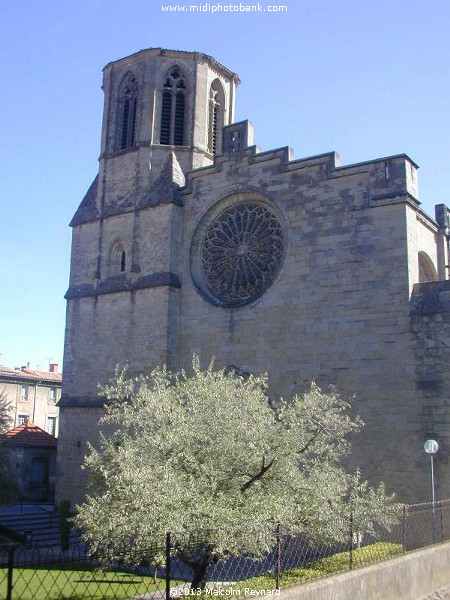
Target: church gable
(192,239)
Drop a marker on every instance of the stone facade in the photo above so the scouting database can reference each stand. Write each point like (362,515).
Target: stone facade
(32,396)
(32,455)
(304,269)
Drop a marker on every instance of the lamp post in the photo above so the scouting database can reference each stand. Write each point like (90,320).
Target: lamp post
(431,447)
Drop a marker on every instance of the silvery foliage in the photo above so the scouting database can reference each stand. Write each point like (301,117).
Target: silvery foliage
(207,455)
(8,486)
(6,412)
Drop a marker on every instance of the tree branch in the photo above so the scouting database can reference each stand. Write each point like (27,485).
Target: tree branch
(264,468)
(309,442)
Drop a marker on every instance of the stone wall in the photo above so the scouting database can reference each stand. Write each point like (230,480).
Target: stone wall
(430,318)
(409,577)
(338,312)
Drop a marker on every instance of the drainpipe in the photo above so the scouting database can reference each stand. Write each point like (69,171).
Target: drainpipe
(34,400)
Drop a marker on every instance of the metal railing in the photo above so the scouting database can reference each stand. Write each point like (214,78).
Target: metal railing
(161,572)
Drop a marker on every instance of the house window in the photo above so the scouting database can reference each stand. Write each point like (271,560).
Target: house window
(128,96)
(22,419)
(51,425)
(216,116)
(173,101)
(52,395)
(24,392)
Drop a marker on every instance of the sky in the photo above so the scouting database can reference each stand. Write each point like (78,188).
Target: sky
(365,79)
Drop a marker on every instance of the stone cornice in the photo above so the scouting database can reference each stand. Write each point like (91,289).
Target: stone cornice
(198,56)
(82,401)
(122,284)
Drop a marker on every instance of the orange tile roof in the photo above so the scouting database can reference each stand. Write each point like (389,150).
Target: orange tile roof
(29,435)
(29,374)
(47,375)
(6,370)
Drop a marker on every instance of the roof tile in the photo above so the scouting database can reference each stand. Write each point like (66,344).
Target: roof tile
(29,435)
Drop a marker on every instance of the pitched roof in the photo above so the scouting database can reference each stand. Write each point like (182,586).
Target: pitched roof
(29,435)
(43,375)
(87,211)
(169,181)
(6,370)
(30,375)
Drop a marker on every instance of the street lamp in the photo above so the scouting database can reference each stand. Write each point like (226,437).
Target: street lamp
(431,447)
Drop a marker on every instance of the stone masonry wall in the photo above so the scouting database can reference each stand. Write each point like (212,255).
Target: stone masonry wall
(430,319)
(339,309)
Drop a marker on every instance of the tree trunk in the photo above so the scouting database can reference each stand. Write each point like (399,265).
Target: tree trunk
(198,559)
(200,572)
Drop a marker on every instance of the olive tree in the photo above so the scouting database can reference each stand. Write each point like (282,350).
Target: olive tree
(208,455)
(9,490)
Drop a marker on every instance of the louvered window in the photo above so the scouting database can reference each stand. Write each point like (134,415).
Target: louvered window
(166,113)
(173,101)
(214,129)
(216,116)
(127,112)
(179,120)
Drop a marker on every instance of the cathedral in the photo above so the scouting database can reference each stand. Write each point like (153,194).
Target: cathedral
(193,240)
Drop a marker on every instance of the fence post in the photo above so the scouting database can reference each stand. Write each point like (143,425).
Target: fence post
(9,588)
(168,565)
(351,542)
(442,526)
(278,558)
(404,529)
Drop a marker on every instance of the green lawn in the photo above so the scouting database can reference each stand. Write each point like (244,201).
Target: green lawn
(72,584)
(324,566)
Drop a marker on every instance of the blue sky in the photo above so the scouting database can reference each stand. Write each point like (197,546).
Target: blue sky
(366,79)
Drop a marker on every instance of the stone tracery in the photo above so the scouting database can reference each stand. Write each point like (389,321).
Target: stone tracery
(241,253)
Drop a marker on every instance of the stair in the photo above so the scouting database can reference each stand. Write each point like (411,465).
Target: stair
(41,522)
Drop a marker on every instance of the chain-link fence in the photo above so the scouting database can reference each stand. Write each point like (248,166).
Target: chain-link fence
(176,568)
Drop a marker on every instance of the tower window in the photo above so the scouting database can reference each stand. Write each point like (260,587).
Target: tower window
(216,116)
(118,259)
(427,272)
(127,112)
(173,100)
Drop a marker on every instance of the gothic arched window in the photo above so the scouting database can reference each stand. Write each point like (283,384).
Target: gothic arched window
(128,96)
(173,102)
(427,271)
(117,261)
(216,116)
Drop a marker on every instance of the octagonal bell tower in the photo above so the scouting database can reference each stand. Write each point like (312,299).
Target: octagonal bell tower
(163,116)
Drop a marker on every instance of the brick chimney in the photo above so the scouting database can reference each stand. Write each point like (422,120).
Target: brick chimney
(53,368)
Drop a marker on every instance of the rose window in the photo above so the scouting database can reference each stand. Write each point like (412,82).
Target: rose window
(241,253)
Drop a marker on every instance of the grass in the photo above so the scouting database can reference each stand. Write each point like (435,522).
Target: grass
(324,566)
(77,584)
(70,583)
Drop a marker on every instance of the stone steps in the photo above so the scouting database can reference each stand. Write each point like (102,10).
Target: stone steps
(40,526)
